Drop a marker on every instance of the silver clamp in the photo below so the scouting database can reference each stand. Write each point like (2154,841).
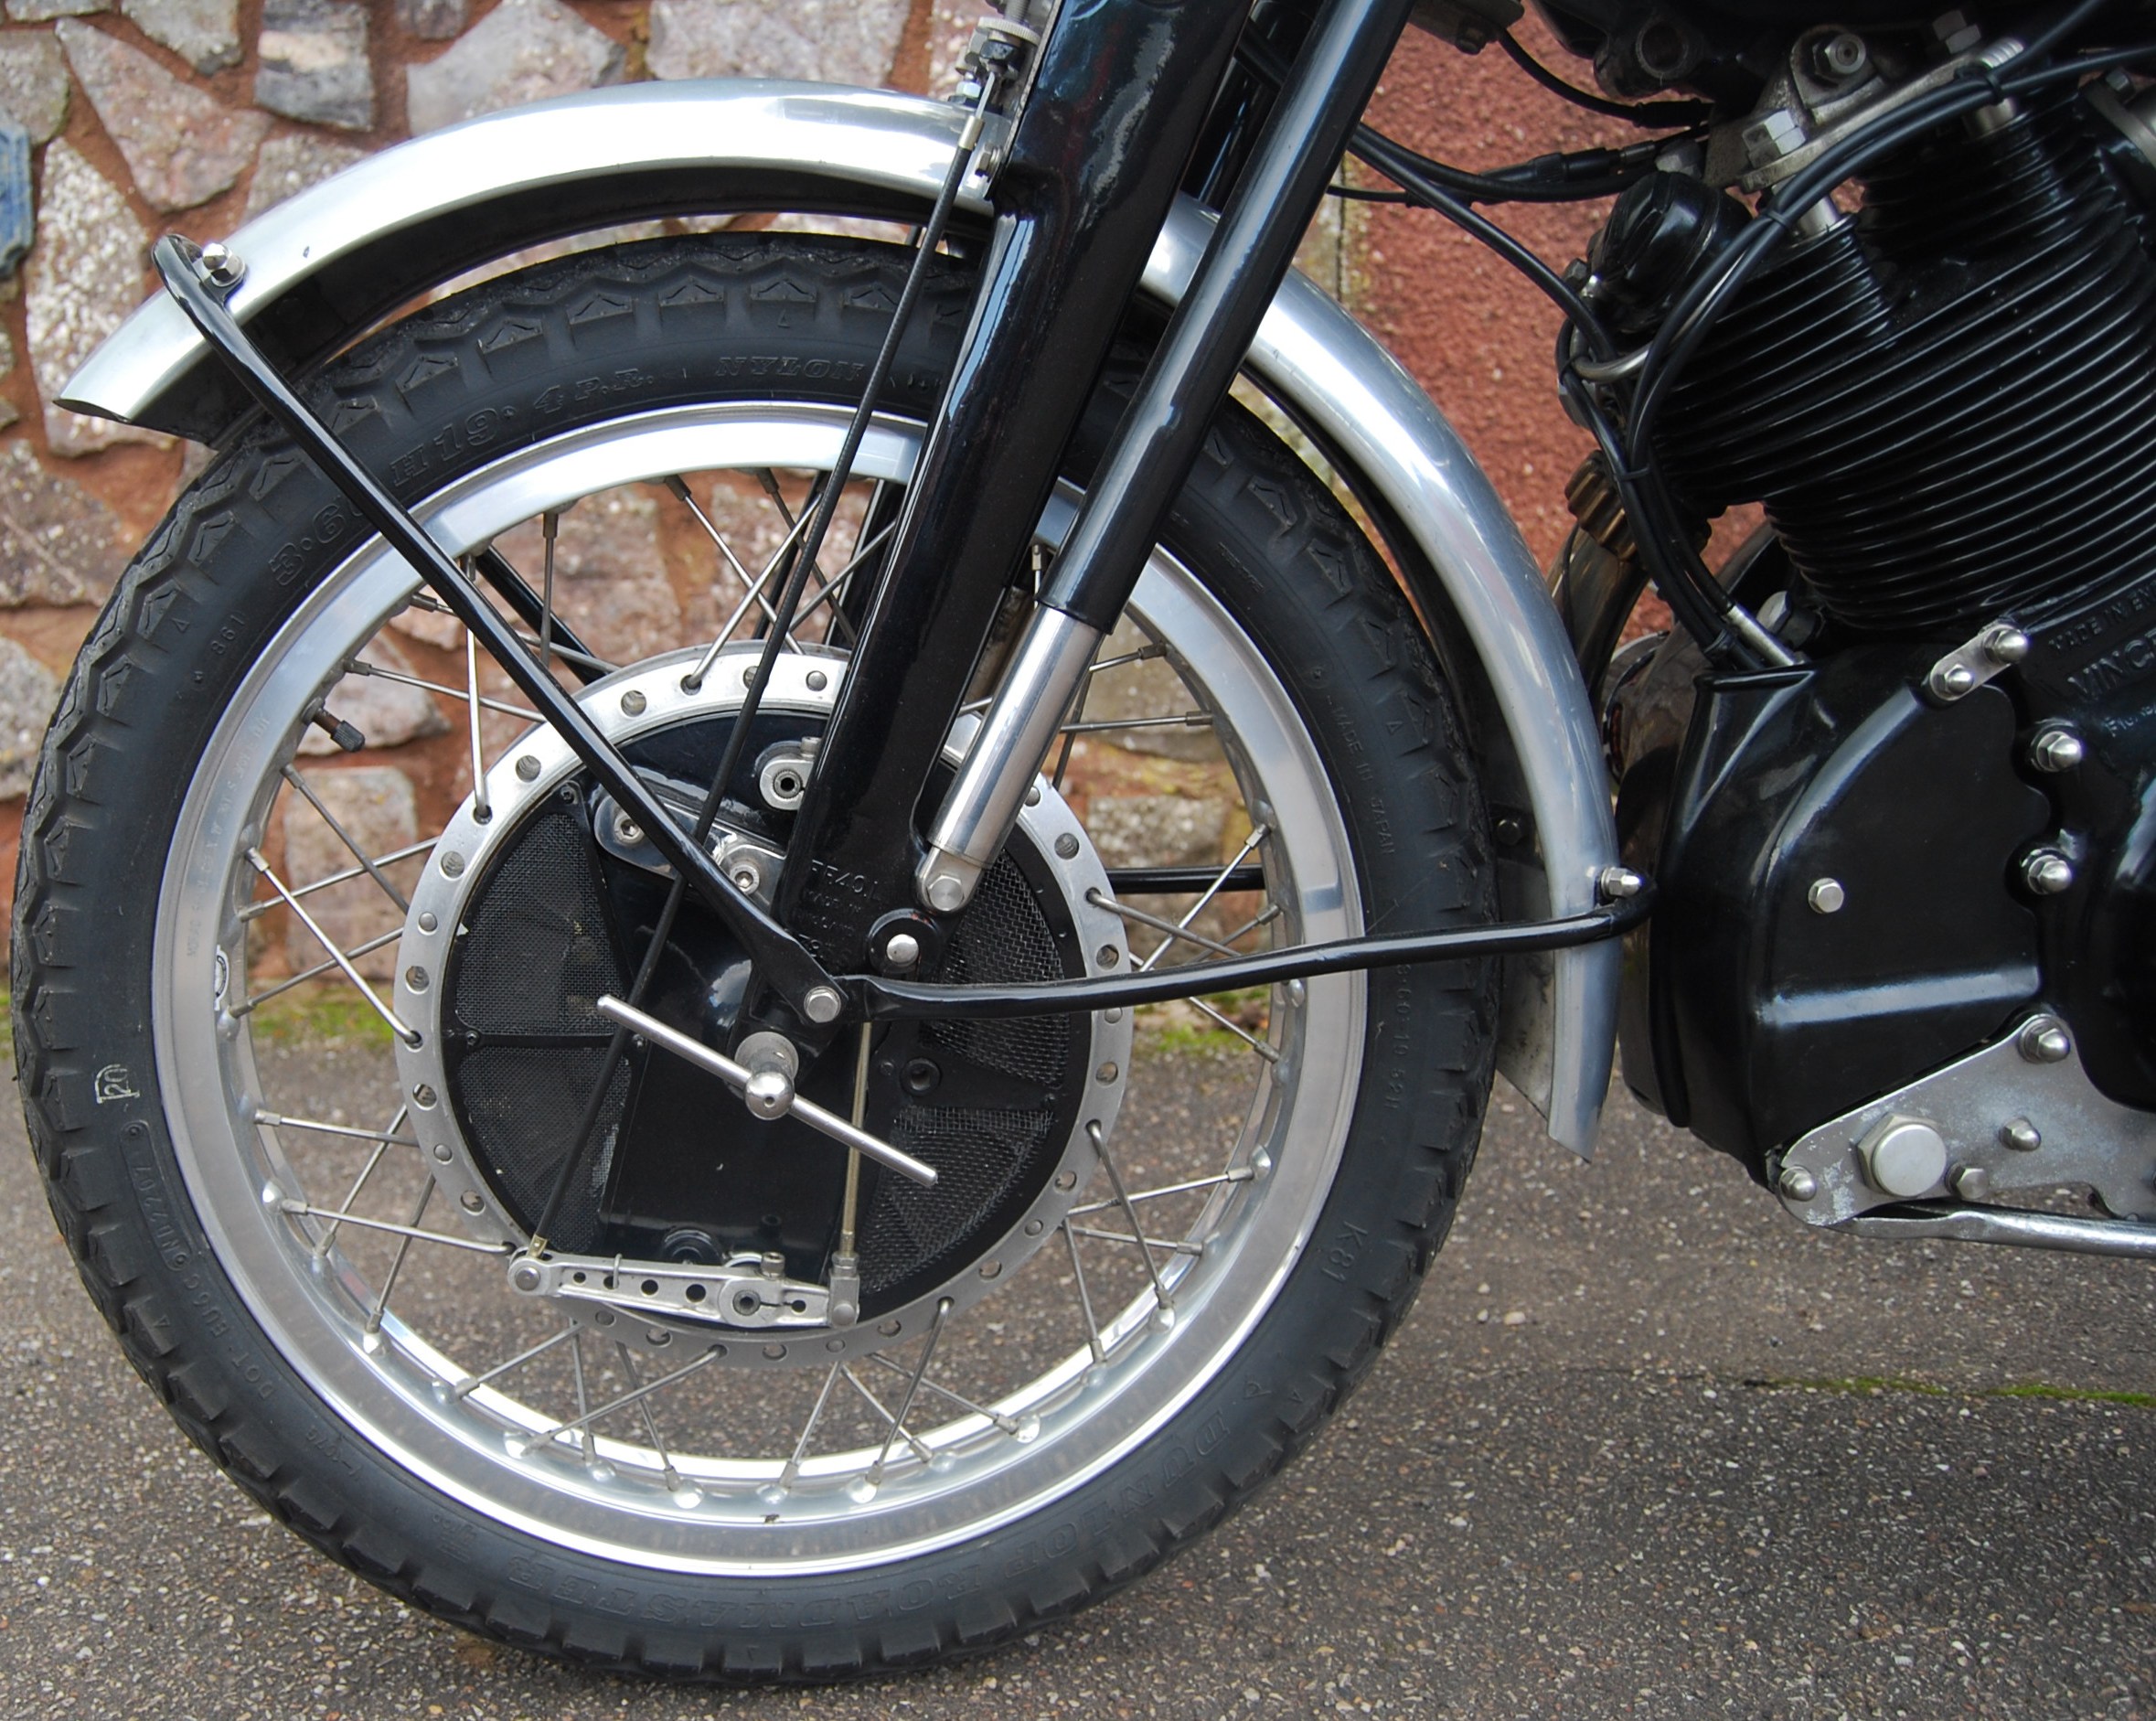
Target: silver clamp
(1961,671)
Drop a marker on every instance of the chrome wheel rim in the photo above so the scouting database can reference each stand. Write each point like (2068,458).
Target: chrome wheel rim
(610,1487)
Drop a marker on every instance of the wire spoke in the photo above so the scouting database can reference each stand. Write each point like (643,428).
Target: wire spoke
(255,911)
(307,1210)
(1100,1146)
(1269,1053)
(585,1419)
(1172,1247)
(876,1404)
(905,1409)
(367,864)
(792,1471)
(668,1473)
(473,1383)
(359,666)
(397,1027)
(1257,835)
(277,1120)
(1093,1327)
(586,1437)
(837,589)
(381,1301)
(1101,899)
(754,581)
(1008,1425)
(247,1007)
(421,601)
(1240,1174)
(1144,653)
(328,1236)
(1101,725)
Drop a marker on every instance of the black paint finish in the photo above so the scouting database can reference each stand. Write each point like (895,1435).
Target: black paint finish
(1750,1016)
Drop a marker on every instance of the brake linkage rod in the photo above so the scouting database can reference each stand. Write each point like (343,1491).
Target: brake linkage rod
(774,641)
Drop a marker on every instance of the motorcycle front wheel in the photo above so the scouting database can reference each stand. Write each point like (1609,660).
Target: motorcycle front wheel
(1172,1244)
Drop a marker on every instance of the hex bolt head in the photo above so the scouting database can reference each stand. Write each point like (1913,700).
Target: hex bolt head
(1797,1183)
(526,1276)
(1972,1183)
(2020,1134)
(1903,1157)
(1826,896)
(822,1005)
(1620,884)
(2005,645)
(2056,749)
(2046,872)
(2044,1040)
(947,892)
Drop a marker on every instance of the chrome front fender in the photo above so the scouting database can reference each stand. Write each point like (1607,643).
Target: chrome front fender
(338,256)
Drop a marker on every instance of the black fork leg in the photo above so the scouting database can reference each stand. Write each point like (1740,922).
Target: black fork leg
(1123,89)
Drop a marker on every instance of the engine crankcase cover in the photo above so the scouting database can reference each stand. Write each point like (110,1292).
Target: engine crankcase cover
(1839,909)
(523,918)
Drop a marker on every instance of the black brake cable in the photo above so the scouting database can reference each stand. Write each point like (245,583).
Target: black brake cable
(780,621)
(1653,114)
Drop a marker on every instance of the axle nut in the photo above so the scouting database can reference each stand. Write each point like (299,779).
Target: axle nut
(1903,1157)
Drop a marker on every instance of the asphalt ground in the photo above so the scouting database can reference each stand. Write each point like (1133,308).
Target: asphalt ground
(1646,1447)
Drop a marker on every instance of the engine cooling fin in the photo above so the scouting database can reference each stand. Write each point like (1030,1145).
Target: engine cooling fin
(1947,403)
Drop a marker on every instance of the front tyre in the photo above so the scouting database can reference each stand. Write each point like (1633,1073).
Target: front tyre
(1126,1333)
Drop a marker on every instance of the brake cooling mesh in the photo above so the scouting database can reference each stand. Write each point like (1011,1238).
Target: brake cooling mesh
(536,951)
(988,1160)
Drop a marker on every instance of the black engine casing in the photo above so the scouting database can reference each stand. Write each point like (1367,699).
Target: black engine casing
(1747,1015)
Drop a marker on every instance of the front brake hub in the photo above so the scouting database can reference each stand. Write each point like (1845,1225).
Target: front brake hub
(690,1215)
